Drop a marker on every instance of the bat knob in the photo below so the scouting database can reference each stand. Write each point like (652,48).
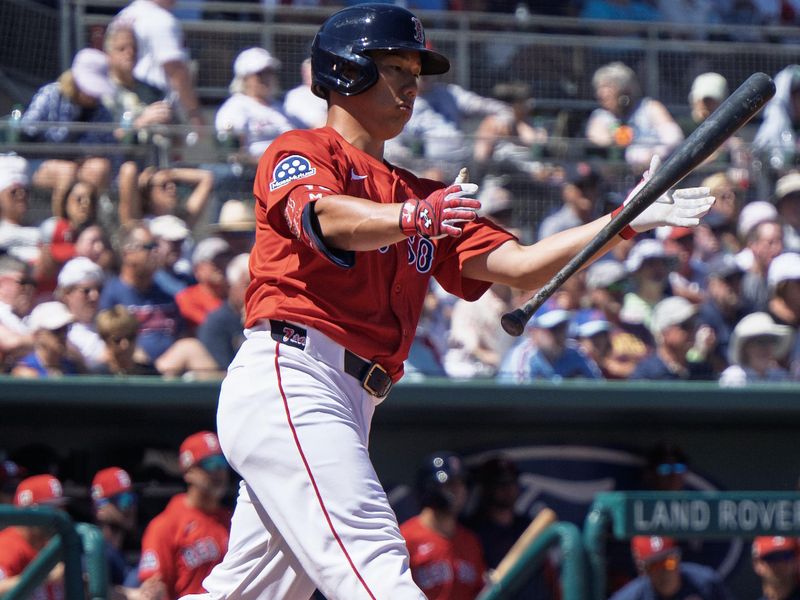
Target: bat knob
(514,322)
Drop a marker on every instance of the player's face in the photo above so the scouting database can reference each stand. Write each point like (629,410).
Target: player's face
(665,576)
(386,107)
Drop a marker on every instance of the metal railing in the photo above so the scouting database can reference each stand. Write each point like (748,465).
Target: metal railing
(692,515)
(573,565)
(69,544)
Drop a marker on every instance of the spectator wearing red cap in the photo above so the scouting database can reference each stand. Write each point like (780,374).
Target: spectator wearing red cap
(183,543)
(662,574)
(775,563)
(19,545)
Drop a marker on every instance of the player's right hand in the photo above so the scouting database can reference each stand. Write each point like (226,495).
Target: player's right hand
(441,213)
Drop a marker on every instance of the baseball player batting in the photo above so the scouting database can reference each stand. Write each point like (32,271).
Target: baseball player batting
(346,244)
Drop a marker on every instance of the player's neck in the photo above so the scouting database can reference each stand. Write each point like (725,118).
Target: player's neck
(354,133)
(443,523)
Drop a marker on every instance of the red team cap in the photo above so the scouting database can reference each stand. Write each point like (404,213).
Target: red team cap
(198,446)
(649,548)
(39,489)
(110,482)
(767,544)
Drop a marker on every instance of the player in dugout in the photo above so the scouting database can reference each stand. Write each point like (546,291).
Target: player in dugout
(346,244)
(664,576)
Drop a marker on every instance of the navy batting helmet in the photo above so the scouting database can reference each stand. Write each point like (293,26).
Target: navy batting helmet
(437,470)
(339,53)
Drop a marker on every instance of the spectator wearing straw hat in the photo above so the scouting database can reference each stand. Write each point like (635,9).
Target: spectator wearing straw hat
(236,225)
(775,563)
(757,344)
(50,323)
(20,544)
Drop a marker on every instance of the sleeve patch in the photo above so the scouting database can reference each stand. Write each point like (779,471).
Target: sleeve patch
(290,169)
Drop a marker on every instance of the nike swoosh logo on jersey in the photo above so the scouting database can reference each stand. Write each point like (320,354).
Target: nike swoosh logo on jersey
(356,176)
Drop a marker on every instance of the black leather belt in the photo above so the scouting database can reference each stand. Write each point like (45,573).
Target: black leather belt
(373,377)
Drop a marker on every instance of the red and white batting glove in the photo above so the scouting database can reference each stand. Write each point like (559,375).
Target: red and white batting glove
(684,208)
(441,213)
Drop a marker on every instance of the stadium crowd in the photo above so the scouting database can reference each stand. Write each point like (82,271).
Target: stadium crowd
(139,269)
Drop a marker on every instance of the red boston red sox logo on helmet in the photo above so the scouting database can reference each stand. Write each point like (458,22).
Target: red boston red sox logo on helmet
(419,33)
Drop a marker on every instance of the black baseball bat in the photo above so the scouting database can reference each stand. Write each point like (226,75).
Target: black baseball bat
(734,112)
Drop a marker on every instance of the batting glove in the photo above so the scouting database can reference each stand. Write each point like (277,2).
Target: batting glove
(440,214)
(684,208)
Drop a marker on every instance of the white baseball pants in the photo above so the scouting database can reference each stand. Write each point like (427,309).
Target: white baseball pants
(311,512)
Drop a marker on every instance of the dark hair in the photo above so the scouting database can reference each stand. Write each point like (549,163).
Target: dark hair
(92,196)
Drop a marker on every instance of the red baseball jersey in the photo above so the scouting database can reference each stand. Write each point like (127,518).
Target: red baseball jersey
(196,302)
(182,544)
(15,554)
(444,568)
(369,302)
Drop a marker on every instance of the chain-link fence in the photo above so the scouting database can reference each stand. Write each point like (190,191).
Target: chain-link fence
(556,57)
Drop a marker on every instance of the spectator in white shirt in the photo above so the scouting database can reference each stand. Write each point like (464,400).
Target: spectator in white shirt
(302,104)
(16,239)
(162,60)
(79,284)
(16,300)
(251,113)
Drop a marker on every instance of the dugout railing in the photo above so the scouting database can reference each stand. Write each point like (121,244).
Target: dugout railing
(79,546)
(683,515)
(573,579)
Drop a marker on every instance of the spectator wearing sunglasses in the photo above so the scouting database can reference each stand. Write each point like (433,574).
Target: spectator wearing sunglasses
(50,323)
(184,542)
(662,574)
(775,563)
(155,309)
